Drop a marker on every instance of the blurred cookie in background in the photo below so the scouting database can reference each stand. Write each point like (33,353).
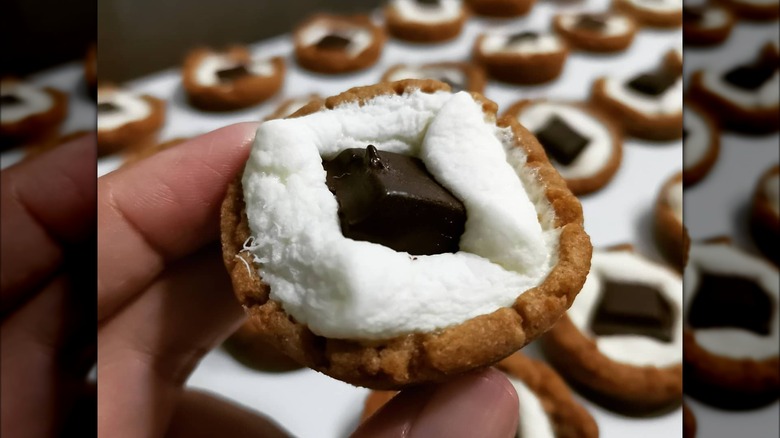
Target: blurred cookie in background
(333,44)
(523,58)
(754,10)
(126,119)
(765,214)
(670,233)
(602,32)
(706,24)
(500,8)
(30,114)
(652,13)
(458,75)
(701,143)
(425,21)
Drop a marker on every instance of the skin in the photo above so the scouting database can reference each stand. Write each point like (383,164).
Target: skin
(163,301)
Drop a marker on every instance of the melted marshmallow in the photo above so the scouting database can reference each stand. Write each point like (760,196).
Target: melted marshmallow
(698,140)
(454,75)
(206,72)
(33,101)
(131,108)
(668,103)
(674,198)
(410,10)
(360,37)
(768,96)
(659,6)
(343,288)
(615,24)
(772,192)
(735,343)
(599,149)
(633,350)
(545,43)
(534,421)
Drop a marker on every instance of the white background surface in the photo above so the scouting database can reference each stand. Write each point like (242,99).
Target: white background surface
(313,405)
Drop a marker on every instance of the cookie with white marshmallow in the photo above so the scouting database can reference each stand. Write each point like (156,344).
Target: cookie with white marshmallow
(524,58)
(547,407)
(701,143)
(754,10)
(395,235)
(605,32)
(670,232)
(746,97)
(765,214)
(289,106)
(30,114)
(732,326)
(334,44)
(501,8)
(664,14)
(584,145)
(230,79)
(458,75)
(127,120)
(648,105)
(620,343)
(425,21)
(706,24)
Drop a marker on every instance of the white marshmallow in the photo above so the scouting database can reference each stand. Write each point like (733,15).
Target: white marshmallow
(33,101)
(131,108)
(360,38)
(497,43)
(615,24)
(410,10)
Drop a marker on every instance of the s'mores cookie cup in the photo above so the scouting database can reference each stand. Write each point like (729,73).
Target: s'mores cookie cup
(701,143)
(652,13)
(230,79)
(732,330)
(547,407)
(584,145)
(289,106)
(524,58)
(745,98)
(606,32)
(458,75)
(620,343)
(500,8)
(706,24)
(765,214)
(756,10)
(399,233)
(425,21)
(648,105)
(29,114)
(126,120)
(670,232)
(90,69)
(333,44)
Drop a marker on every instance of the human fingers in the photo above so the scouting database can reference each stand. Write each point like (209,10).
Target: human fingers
(161,209)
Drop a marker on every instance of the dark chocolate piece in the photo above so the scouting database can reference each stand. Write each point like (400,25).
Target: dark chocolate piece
(752,76)
(107,108)
(429,2)
(560,141)
(392,200)
(593,22)
(654,83)
(694,14)
(9,100)
(724,300)
(632,309)
(333,42)
(522,37)
(233,73)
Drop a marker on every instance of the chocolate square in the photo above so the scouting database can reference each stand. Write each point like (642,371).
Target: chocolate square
(521,37)
(561,142)
(723,300)
(632,309)
(592,22)
(694,14)
(233,73)
(751,76)
(9,100)
(333,42)
(107,108)
(654,83)
(392,200)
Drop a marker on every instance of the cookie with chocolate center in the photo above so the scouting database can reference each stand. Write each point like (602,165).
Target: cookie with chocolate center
(524,58)
(30,114)
(126,120)
(605,32)
(333,44)
(707,25)
(425,21)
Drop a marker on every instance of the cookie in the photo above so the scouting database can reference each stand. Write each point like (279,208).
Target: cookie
(289,106)
(665,14)
(547,408)
(249,348)
(334,275)
(29,114)
(126,120)
(620,343)
(706,24)
(584,145)
(731,327)
(230,79)
(701,143)
(458,75)
(524,58)
(647,105)
(744,98)
(425,21)
(335,44)
(766,10)
(689,422)
(606,32)
(136,155)
(500,8)
(670,232)
(765,214)
(90,70)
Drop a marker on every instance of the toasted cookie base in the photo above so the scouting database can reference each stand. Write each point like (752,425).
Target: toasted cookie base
(695,35)
(584,186)
(635,123)
(37,129)
(251,351)
(417,32)
(418,357)
(335,62)
(670,234)
(521,69)
(664,20)
(590,41)
(137,134)
(475,75)
(240,93)
(732,116)
(500,8)
(752,12)
(697,172)
(764,223)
